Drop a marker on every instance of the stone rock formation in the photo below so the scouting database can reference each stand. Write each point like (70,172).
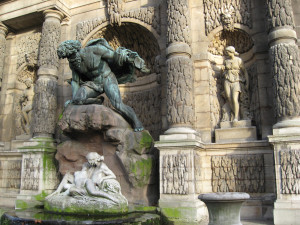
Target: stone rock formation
(130,155)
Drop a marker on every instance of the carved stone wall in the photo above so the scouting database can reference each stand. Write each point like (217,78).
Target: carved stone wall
(31,172)
(280,13)
(29,46)
(240,11)
(237,38)
(115,8)
(238,173)
(175,174)
(290,170)
(285,70)
(147,106)
(10,173)
(148,15)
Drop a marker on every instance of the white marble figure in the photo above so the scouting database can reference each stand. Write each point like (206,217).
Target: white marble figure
(95,182)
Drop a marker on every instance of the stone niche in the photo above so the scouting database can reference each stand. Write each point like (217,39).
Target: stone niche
(130,155)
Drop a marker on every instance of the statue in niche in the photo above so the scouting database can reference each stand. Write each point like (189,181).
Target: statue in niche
(236,84)
(97,69)
(94,183)
(26,101)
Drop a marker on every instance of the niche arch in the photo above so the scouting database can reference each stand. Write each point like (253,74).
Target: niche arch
(134,36)
(244,44)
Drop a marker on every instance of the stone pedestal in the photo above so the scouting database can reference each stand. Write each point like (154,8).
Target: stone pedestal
(179,176)
(224,207)
(128,154)
(236,131)
(287,169)
(39,172)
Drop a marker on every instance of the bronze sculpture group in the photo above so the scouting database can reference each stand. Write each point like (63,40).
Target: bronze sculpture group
(96,69)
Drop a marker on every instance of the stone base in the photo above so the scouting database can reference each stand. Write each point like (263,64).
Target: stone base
(38,216)
(86,205)
(236,131)
(39,173)
(286,212)
(240,123)
(7,200)
(183,212)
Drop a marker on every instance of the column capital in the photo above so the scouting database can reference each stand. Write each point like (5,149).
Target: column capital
(50,13)
(3,29)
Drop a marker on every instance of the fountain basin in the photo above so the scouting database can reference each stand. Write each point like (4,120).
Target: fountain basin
(224,207)
(39,216)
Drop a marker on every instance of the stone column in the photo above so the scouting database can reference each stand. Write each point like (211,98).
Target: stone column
(3,32)
(285,69)
(39,172)
(180,78)
(180,145)
(45,103)
(285,64)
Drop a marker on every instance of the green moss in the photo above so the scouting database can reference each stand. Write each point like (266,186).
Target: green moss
(20,204)
(178,215)
(146,141)
(142,170)
(60,116)
(41,197)
(172,212)
(2,211)
(142,208)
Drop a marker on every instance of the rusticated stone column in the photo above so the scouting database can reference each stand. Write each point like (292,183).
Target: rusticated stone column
(45,102)
(285,68)
(285,63)
(180,113)
(180,146)
(3,32)
(39,172)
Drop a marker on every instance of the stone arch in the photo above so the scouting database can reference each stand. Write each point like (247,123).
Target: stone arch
(138,37)
(239,38)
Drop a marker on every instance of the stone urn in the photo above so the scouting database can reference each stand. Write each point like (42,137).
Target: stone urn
(224,207)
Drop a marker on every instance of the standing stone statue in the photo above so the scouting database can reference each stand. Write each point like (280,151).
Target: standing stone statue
(96,69)
(26,101)
(235,75)
(94,188)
